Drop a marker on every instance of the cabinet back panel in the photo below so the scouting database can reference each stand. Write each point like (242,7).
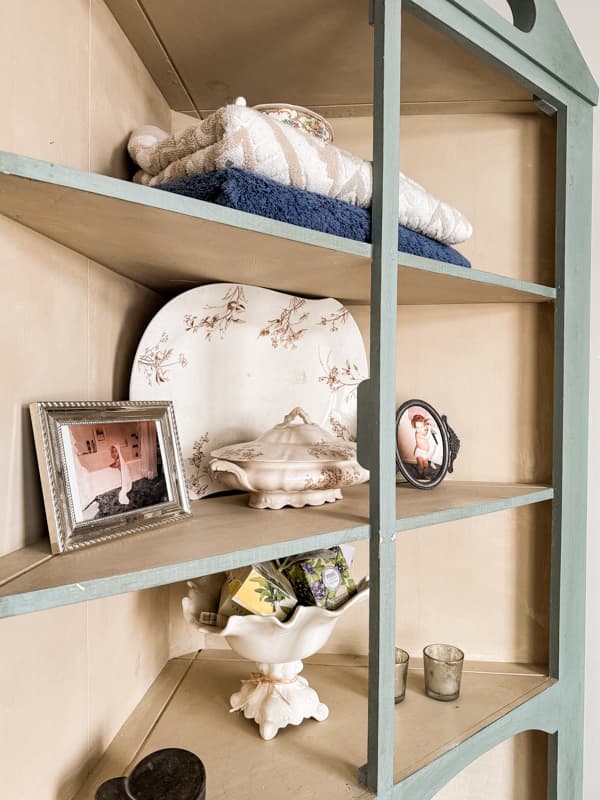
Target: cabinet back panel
(498,169)
(318,55)
(489,368)
(481,584)
(514,769)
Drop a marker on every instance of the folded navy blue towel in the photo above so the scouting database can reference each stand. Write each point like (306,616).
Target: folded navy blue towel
(245,191)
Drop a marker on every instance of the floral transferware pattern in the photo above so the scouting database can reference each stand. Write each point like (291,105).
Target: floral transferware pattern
(335,320)
(284,329)
(332,477)
(156,361)
(205,350)
(229,312)
(332,450)
(348,376)
(312,126)
(299,117)
(340,430)
(198,476)
(241,453)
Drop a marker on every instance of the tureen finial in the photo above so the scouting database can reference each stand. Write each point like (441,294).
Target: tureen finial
(296,412)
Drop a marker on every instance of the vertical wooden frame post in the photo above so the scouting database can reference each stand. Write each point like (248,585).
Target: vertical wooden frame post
(571,365)
(377,398)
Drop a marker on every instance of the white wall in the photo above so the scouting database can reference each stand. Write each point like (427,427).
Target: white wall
(583,18)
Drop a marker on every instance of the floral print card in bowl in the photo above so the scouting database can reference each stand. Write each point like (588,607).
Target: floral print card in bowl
(234,359)
(321,578)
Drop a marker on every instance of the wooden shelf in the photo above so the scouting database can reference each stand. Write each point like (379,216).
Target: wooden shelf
(224,533)
(171,243)
(188,707)
(334,80)
(453,500)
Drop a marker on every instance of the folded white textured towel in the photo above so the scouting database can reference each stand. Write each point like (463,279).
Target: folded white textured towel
(237,136)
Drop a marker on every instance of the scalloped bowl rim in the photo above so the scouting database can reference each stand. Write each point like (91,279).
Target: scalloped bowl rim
(300,614)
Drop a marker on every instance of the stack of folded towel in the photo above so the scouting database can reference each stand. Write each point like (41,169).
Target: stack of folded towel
(244,159)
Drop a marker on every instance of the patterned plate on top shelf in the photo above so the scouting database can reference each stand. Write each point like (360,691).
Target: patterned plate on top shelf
(235,359)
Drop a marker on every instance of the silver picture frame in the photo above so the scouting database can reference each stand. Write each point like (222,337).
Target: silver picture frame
(127,480)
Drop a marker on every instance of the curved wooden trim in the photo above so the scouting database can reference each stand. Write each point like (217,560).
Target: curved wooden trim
(540,713)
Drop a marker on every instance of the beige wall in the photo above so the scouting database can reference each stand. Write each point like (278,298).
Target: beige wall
(494,168)
(515,770)
(71,90)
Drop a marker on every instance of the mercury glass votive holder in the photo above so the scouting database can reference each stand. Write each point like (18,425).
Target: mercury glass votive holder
(400,673)
(443,665)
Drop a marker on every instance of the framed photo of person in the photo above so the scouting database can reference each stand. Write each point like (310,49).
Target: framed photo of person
(108,469)
(426,445)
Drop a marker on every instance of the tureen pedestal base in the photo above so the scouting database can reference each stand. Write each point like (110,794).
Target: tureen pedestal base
(276,500)
(277,696)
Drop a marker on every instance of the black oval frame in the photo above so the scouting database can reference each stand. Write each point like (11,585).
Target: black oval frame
(442,427)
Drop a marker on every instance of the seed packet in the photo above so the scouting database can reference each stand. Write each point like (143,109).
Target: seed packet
(320,578)
(257,589)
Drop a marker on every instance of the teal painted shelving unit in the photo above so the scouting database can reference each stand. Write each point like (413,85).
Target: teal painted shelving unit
(540,53)
(79,210)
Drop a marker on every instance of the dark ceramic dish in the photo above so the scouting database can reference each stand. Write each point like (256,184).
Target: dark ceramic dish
(170,774)
(114,789)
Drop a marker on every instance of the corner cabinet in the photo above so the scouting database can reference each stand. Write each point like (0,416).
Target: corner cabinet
(458,57)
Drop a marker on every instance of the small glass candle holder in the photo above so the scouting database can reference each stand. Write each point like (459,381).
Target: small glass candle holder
(443,664)
(400,673)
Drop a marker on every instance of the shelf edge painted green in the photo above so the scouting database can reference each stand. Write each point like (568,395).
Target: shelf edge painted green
(30,169)
(96,588)
(477,510)
(537,290)
(34,169)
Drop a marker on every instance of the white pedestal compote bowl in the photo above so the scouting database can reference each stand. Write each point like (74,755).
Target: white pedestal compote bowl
(276,695)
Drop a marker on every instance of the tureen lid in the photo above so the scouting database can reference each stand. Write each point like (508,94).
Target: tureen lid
(291,441)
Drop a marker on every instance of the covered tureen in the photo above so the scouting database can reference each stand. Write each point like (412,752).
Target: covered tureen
(294,464)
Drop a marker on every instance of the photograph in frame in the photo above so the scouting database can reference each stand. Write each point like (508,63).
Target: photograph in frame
(422,448)
(108,469)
